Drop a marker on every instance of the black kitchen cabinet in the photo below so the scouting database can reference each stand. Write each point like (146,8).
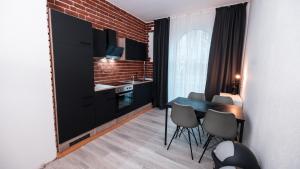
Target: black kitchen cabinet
(106,106)
(135,50)
(99,43)
(72,41)
(142,94)
(111,37)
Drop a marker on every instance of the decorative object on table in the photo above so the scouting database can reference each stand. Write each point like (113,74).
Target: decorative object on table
(228,153)
(219,124)
(236,84)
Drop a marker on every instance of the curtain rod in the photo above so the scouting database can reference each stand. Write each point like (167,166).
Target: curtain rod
(203,9)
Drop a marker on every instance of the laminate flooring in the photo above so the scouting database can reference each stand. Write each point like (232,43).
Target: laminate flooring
(137,144)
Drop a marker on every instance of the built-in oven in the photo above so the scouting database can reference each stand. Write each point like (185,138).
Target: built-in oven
(125,96)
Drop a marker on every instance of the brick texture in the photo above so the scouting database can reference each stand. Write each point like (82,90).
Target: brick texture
(103,15)
(107,72)
(150,27)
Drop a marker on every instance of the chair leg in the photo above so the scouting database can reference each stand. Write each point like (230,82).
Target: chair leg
(181,132)
(190,145)
(199,135)
(202,127)
(206,145)
(176,131)
(205,142)
(194,137)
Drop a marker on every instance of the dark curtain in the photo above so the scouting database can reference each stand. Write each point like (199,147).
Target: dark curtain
(160,62)
(226,51)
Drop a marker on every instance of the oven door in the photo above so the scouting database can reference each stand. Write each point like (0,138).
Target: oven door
(125,99)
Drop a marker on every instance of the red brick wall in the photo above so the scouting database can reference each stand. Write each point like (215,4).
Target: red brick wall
(102,15)
(150,27)
(106,72)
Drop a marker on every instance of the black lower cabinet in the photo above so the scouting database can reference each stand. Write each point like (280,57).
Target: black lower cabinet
(75,120)
(142,94)
(105,107)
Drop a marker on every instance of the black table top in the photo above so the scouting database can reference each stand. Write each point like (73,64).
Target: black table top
(201,107)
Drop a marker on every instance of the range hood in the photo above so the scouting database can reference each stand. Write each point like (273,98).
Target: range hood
(105,45)
(112,50)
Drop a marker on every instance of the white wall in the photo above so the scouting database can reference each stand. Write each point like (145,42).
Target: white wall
(27,137)
(150,43)
(272,89)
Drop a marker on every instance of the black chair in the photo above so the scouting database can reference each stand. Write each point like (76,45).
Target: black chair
(228,153)
(198,97)
(219,124)
(185,119)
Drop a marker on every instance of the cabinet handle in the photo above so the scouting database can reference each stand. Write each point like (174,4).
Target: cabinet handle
(87,105)
(87,97)
(85,43)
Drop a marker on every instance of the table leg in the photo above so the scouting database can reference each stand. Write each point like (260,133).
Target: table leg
(241,131)
(166,126)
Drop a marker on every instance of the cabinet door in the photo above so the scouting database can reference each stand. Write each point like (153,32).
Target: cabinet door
(106,107)
(99,42)
(135,50)
(142,94)
(73,73)
(74,90)
(69,29)
(111,37)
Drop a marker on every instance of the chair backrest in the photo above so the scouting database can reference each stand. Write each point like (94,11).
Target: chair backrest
(222,99)
(184,116)
(197,96)
(220,124)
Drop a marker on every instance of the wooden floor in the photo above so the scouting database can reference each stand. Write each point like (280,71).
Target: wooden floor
(136,145)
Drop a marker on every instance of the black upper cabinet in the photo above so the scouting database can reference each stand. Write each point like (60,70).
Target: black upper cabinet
(111,37)
(135,50)
(99,39)
(72,41)
(62,31)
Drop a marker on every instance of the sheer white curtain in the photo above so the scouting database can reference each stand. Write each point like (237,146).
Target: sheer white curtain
(190,37)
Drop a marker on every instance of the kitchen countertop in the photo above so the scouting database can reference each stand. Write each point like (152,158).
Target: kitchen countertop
(136,82)
(101,87)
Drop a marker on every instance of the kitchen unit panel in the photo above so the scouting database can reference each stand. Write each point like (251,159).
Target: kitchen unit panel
(105,106)
(73,72)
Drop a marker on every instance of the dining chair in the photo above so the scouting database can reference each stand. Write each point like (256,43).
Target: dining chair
(219,124)
(185,119)
(222,99)
(198,97)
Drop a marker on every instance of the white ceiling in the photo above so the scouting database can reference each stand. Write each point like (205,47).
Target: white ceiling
(148,10)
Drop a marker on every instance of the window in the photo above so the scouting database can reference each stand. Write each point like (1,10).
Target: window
(188,66)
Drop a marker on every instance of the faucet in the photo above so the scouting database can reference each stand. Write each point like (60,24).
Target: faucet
(134,77)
